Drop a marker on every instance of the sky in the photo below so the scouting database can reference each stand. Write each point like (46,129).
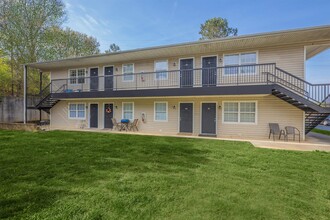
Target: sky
(135,24)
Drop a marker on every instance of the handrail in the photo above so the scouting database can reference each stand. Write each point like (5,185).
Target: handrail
(296,77)
(250,74)
(303,93)
(46,88)
(173,71)
(315,92)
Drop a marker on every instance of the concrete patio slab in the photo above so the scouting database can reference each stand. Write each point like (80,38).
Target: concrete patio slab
(313,141)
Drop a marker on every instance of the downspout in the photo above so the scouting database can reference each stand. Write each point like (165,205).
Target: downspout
(40,93)
(25,96)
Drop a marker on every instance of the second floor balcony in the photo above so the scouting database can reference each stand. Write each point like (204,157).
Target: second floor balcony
(228,80)
(186,78)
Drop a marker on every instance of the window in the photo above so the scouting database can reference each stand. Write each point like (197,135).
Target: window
(161,68)
(160,111)
(77,76)
(248,112)
(128,110)
(77,111)
(240,63)
(239,112)
(231,112)
(128,70)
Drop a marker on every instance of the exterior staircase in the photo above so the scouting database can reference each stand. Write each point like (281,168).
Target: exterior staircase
(311,98)
(46,101)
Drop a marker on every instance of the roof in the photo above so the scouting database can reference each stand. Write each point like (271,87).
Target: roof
(318,37)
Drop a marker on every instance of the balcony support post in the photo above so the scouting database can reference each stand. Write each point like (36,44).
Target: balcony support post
(40,83)
(25,95)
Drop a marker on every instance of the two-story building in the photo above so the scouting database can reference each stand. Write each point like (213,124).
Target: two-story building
(230,87)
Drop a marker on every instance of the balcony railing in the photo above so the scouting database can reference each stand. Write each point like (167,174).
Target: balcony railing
(200,77)
(254,74)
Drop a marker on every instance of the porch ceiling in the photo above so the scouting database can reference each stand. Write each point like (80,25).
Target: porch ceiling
(307,36)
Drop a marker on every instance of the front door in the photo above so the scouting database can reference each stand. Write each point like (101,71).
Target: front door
(108,115)
(94,80)
(209,72)
(209,117)
(186,117)
(93,123)
(108,78)
(186,72)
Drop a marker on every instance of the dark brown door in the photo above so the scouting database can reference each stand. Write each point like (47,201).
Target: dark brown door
(209,72)
(108,78)
(108,115)
(93,123)
(209,118)
(186,117)
(186,73)
(94,79)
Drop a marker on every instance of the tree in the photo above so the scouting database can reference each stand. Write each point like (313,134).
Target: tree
(5,76)
(113,48)
(22,26)
(65,43)
(30,32)
(216,28)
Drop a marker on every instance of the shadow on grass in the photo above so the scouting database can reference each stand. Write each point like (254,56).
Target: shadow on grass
(44,164)
(34,200)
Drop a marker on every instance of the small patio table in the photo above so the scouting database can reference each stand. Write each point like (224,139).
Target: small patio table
(124,124)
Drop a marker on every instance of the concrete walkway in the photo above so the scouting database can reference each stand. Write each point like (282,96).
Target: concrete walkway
(313,141)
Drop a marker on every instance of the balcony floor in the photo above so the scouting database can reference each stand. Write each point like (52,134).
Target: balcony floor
(192,91)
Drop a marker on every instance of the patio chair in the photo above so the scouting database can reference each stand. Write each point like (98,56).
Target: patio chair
(274,129)
(133,125)
(83,124)
(116,125)
(290,130)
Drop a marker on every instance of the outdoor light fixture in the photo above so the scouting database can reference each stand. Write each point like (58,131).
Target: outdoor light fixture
(174,63)
(116,69)
(219,106)
(174,107)
(116,107)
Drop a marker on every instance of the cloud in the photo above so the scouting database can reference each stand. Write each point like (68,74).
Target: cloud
(88,22)
(81,7)
(91,19)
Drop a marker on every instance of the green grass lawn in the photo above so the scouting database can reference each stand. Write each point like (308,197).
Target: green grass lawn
(320,131)
(81,175)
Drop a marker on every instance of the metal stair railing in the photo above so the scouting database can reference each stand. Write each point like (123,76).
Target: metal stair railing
(316,93)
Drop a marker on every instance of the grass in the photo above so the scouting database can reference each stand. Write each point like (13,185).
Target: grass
(81,175)
(320,131)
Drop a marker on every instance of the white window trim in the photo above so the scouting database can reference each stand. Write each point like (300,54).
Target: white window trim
(239,113)
(239,62)
(122,109)
(155,112)
(69,77)
(155,76)
(77,103)
(123,75)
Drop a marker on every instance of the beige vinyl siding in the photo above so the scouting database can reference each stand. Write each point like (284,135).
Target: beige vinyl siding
(290,58)
(270,109)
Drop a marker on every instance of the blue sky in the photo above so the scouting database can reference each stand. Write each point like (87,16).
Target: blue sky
(143,23)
